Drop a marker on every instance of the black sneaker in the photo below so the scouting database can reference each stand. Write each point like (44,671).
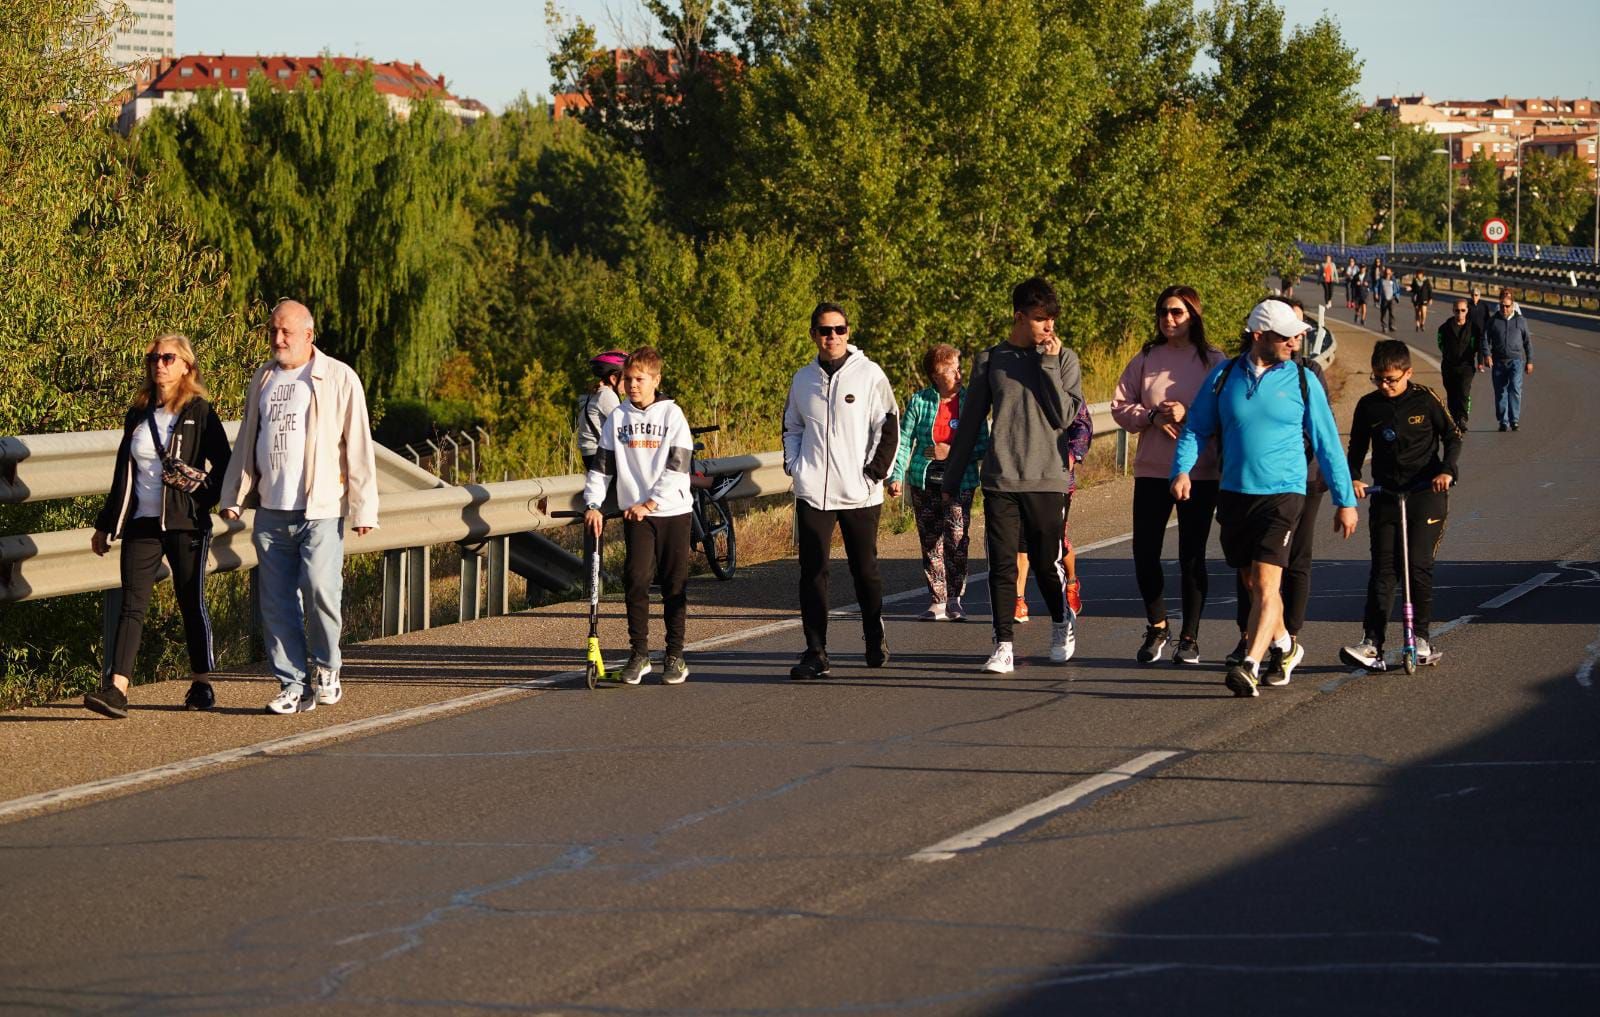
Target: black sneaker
(1188,651)
(1241,682)
(1281,663)
(1236,658)
(674,670)
(878,651)
(108,702)
(199,697)
(1155,640)
(813,664)
(634,671)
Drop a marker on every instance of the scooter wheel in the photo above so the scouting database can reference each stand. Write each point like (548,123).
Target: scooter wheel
(591,674)
(1411,664)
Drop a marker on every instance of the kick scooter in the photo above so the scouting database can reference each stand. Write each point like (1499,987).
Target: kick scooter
(595,664)
(1408,656)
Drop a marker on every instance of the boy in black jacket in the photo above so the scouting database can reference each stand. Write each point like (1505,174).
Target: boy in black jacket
(1415,448)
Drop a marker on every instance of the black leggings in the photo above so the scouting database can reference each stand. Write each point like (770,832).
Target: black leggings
(1152,507)
(658,551)
(144,545)
(859,527)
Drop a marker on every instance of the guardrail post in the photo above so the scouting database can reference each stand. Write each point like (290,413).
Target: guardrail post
(1122,452)
(419,573)
(471,570)
(395,592)
(499,575)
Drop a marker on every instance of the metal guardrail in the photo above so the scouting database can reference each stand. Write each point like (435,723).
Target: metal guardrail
(1540,292)
(1531,253)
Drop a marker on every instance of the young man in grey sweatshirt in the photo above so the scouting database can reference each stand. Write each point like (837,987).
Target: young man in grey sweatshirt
(1030,388)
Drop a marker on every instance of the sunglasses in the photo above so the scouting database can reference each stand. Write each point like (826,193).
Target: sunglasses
(1461,310)
(167,359)
(1172,312)
(832,330)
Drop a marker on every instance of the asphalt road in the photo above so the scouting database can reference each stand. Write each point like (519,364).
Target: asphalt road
(745,845)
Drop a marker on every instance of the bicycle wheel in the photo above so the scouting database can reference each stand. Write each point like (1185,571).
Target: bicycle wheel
(719,544)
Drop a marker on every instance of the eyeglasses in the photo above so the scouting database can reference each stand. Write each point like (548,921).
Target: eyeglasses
(152,359)
(1461,310)
(1172,312)
(832,329)
(1387,381)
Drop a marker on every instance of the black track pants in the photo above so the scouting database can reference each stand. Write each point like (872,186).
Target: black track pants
(658,551)
(144,546)
(1035,520)
(1458,392)
(1425,519)
(859,528)
(1152,507)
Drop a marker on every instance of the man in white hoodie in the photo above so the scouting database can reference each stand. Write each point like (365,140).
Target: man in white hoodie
(841,430)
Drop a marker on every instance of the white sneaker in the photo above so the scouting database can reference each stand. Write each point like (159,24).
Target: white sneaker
(1426,654)
(326,681)
(1000,661)
(1064,639)
(291,701)
(936,612)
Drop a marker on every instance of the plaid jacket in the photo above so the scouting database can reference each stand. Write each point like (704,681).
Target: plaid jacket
(916,440)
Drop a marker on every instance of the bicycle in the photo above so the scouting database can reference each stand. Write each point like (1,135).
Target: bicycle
(711,523)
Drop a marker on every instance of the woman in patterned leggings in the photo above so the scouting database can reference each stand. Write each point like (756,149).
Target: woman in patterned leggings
(926,433)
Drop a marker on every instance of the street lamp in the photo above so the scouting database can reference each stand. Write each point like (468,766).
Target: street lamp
(1517,242)
(1449,198)
(1597,197)
(1390,160)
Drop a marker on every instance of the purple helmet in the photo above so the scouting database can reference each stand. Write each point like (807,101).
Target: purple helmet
(608,363)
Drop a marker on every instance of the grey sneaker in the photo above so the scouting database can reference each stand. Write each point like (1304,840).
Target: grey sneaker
(1241,681)
(1281,663)
(637,667)
(1367,653)
(1155,641)
(326,681)
(1426,654)
(674,670)
(1188,651)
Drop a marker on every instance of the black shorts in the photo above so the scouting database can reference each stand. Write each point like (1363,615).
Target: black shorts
(1257,527)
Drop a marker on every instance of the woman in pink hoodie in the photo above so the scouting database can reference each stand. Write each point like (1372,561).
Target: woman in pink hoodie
(1152,400)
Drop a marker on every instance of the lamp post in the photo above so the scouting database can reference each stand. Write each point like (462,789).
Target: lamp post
(1517,237)
(1597,196)
(1390,160)
(1449,197)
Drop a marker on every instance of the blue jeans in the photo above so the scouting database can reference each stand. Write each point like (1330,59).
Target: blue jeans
(1507,375)
(301,565)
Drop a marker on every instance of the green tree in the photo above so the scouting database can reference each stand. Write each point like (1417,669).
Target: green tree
(321,193)
(1557,196)
(1480,195)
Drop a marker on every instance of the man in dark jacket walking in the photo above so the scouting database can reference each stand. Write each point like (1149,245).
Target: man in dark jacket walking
(1508,353)
(1458,361)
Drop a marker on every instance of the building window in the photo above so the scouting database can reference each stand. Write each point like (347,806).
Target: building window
(185,72)
(283,72)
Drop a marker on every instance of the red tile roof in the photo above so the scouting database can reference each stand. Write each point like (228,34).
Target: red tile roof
(198,71)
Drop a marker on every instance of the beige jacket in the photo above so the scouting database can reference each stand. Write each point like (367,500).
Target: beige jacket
(341,472)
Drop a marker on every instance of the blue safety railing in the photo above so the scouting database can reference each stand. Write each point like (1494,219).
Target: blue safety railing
(1465,248)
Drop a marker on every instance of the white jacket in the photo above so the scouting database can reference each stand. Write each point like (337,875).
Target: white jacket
(648,451)
(341,469)
(833,428)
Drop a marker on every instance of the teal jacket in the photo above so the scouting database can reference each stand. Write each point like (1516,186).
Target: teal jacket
(916,440)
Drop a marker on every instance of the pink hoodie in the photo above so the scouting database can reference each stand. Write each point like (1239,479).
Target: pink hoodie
(1149,380)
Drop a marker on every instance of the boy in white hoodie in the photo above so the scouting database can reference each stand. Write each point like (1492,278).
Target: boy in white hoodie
(646,445)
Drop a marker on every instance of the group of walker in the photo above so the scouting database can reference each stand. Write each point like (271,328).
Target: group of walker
(1249,440)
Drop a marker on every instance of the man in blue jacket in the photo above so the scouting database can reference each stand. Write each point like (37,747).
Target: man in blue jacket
(1508,353)
(1266,413)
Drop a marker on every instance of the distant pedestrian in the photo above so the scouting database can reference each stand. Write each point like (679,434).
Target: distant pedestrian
(1029,388)
(1388,297)
(1329,273)
(932,418)
(1421,297)
(1508,353)
(1459,357)
(1416,450)
(841,432)
(595,405)
(1152,401)
(1351,270)
(1363,288)
(304,459)
(166,481)
(645,450)
(1478,312)
(1264,474)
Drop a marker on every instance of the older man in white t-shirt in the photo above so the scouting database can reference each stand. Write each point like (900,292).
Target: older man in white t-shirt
(304,460)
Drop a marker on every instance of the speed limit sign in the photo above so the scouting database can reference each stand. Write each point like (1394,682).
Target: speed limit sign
(1495,230)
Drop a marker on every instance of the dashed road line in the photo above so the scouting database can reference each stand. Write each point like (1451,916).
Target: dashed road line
(1518,591)
(978,836)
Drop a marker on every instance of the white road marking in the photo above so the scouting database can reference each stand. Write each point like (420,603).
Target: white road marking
(995,828)
(1518,591)
(1585,673)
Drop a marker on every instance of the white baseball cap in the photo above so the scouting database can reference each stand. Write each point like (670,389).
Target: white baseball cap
(1277,317)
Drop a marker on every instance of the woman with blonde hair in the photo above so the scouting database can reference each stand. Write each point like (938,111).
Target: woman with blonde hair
(168,478)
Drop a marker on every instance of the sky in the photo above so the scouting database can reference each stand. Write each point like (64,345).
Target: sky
(493,50)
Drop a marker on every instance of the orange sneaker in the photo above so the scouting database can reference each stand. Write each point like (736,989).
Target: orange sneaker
(1021,613)
(1075,596)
